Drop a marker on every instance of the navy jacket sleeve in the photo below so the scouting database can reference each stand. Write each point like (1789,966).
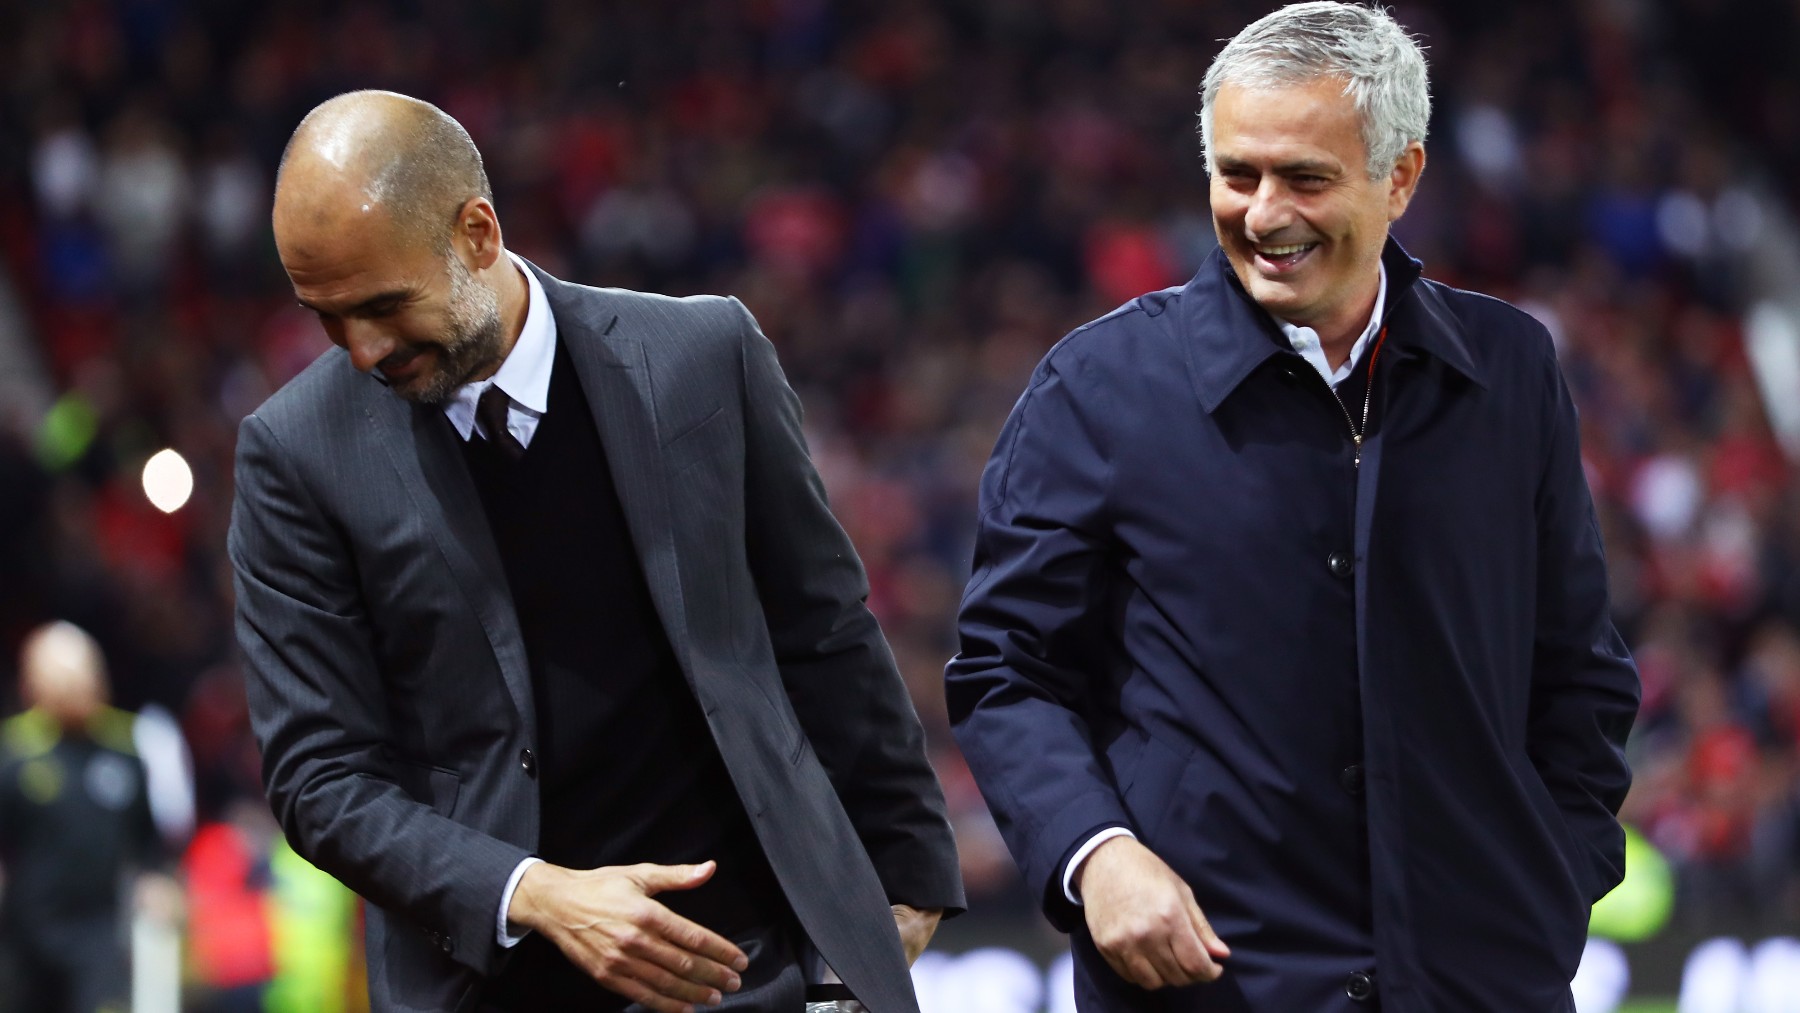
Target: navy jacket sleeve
(1031,617)
(1584,691)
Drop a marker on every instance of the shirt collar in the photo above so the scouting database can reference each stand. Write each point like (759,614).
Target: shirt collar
(1306,340)
(525,374)
(1228,335)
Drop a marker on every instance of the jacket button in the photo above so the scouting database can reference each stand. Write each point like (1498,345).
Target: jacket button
(528,763)
(1341,564)
(1360,986)
(445,944)
(1351,779)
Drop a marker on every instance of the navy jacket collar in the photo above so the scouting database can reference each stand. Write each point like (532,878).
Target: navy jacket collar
(1230,335)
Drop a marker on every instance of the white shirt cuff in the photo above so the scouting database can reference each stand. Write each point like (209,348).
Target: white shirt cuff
(1081,855)
(507,939)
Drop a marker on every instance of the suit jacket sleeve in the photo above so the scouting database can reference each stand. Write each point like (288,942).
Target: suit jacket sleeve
(318,708)
(1032,629)
(1584,685)
(835,664)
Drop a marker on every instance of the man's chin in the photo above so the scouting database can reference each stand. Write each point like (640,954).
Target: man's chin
(431,388)
(1277,297)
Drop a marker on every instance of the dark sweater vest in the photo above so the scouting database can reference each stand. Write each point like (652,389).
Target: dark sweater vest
(627,768)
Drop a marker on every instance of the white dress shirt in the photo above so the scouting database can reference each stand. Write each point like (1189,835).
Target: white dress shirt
(1305,341)
(525,377)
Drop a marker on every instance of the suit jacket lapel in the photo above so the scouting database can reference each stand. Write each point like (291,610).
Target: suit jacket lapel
(423,447)
(614,371)
(615,377)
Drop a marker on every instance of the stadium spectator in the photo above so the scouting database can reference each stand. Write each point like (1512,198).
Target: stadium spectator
(75,828)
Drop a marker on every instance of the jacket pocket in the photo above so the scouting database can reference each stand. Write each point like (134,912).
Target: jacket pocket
(688,430)
(437,787)
(1569,877)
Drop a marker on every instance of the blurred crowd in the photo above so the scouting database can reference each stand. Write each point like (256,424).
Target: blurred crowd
(916,198)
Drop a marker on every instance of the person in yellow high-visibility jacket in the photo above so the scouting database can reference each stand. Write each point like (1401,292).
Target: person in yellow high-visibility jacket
(1635,910)
(313,922)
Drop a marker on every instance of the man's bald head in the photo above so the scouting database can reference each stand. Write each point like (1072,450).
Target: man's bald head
(378,150)
(385,226)
(63,673)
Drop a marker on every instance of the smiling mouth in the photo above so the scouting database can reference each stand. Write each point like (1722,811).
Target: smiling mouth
(1280,259)
(398,367)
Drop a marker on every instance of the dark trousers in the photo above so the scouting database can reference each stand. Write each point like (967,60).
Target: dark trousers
(542,979)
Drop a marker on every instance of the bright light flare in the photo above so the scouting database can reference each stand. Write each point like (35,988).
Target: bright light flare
(168,481)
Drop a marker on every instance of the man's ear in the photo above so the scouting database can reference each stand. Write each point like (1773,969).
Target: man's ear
(478,232)
(1404,180)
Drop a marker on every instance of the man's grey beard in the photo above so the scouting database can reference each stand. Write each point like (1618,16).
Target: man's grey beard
(473,341)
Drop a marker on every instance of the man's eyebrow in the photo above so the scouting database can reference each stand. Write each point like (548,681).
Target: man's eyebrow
(1298,167)
(372,302)
(1306,167)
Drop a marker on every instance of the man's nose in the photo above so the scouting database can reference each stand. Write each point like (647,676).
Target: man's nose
(367,344)
(1270,209)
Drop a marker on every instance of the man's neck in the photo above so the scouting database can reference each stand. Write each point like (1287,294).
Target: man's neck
(515,300)
(515,303)
(1337,336)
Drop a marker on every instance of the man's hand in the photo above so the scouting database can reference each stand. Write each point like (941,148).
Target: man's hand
(916,927)
(604,921)
(1143,918)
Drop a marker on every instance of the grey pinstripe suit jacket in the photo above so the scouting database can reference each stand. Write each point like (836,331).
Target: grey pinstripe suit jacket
(388,682)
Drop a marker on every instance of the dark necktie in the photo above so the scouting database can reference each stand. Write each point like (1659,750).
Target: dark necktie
(491,409)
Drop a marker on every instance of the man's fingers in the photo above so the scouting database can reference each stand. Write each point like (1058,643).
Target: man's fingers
(697,940)
(1144,920)
(1129,967)
(686,965)
(1164,950)
(1215,947)
(664,983)
(645,996)
(1136,968)
(1137,960)
(656,878)
(1189,959)
(1171,949)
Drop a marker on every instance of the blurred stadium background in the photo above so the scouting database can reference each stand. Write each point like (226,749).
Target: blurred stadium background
(916,198)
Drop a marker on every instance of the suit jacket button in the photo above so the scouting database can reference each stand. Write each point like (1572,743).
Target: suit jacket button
(444,943)
(528,763)
(1360,986)
(1351,779)
(1340,564)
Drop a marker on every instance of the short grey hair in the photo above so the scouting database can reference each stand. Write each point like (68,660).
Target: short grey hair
(1382,67)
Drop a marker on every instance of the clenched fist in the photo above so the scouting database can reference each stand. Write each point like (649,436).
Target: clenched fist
(1143,918)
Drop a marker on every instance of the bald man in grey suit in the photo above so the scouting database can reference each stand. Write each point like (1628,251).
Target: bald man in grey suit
(556,653)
